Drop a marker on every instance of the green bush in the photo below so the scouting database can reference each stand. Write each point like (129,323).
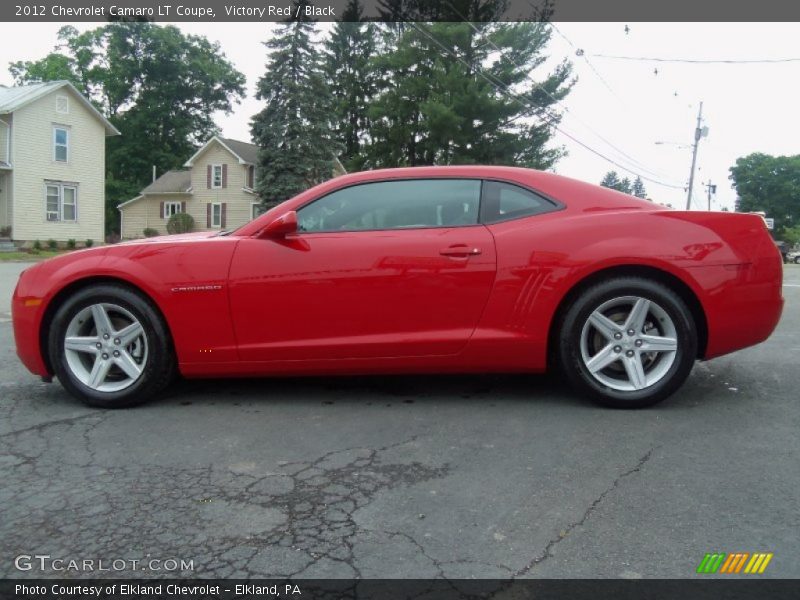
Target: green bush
(52,244)
(150,232)
(89,243)
(5,232)
(37,245)
(180,223)
(71,243)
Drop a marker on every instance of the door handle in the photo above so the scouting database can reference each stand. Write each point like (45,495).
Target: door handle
(460,251)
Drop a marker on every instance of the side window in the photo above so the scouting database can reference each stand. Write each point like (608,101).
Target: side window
(406,204)
(505,201)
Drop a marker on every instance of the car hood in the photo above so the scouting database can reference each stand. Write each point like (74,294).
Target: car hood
(178,237)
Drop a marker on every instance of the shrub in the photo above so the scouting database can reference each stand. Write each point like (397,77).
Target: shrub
(150,232)
(89,243)
(71,243)
(37,245)
(180,223)
(5,232)
(52,244)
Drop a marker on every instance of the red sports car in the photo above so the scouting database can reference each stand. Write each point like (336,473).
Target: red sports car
(431,269)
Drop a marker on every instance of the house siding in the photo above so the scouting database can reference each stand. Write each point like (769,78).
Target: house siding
(238,201)
(146,212)
(4,138)
(5,206)
(32,154)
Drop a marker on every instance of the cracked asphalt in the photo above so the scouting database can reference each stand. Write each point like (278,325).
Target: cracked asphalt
(409,477)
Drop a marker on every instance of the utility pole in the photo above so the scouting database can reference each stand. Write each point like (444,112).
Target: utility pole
(712,190)
(698,133)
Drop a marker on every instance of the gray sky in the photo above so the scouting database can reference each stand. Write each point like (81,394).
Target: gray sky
(619,108)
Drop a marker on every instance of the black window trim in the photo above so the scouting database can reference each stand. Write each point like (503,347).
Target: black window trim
(557,205)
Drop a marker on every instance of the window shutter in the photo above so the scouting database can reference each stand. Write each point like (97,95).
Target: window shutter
(183,206)
(224,210)
(208,214)
(224,176)
(208,177)
(250,177)
(162,211)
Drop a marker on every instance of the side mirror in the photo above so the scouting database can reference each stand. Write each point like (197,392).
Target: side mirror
(280,227)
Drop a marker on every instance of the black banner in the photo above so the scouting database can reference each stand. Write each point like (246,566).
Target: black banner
(401,589)
(399,10)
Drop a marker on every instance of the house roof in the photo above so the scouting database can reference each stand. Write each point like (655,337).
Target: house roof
(171,182)
(14,98)
(245,152)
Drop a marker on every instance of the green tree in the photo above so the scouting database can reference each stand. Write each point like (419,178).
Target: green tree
(462,92)
(296,149)
(351,79)
(158,86)
(638,189)
(770,184)
(625,186)
(611,180)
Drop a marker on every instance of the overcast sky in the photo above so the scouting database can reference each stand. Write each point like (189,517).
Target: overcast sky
(619,108)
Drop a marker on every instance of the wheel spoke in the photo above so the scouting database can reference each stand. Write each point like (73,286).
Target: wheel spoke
(602,359)
(654,343)
(99,372)
(81,344)
(128,334)
(604,325)
(635,371)
(101,320)
(638,314)
(125,362)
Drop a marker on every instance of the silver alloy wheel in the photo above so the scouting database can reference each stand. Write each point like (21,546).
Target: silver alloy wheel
(105,347)
(629,343)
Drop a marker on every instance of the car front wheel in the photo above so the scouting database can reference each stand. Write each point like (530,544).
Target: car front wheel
(628,342)
(110,348)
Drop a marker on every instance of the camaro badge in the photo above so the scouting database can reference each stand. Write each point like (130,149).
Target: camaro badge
(196,288)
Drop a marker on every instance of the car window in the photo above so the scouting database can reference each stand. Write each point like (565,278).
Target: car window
(402,204)
(504,201)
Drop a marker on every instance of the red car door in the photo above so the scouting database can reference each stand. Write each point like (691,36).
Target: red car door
(385,269)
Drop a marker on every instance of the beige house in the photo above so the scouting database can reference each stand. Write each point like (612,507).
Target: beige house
(216,189)
(52,163)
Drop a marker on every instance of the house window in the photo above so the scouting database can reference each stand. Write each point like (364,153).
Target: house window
(216,176)
(216,215)
(60,144)
(251,177)
(171,208)
(256,210)
(62,105)
(61,202)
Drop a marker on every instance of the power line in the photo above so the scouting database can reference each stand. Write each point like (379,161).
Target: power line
(503,89)
(698,61)
(633,161)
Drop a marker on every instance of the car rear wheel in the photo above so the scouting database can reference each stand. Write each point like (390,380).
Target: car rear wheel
(110,348)
(628,342)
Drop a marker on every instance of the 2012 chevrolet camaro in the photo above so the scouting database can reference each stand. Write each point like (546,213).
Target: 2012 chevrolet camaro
(431,269)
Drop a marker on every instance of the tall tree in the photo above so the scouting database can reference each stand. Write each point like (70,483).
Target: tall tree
(351,78)
(625,185)
(157,85)
(296,146)
(770,184)
(638,189)
(463,92)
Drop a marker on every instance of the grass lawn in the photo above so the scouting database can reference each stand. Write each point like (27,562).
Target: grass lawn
(27,256)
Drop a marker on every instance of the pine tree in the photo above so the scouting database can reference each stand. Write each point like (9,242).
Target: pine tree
(351,79)
(638,188)
(611,180)
(461,92)
(296,149)
(625,186)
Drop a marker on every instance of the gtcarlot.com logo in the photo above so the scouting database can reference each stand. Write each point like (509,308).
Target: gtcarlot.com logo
(45,562)
(733,563)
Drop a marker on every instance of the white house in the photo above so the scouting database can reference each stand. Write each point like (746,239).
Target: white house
(52,163)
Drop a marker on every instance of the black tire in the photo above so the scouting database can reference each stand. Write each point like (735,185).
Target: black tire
(572,363)
(157,369)
(797,260)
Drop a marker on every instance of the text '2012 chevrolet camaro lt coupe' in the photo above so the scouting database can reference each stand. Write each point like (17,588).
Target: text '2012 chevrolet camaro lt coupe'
(419,270)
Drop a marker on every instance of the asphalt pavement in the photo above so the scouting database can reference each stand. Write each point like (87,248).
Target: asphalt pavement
(460,476)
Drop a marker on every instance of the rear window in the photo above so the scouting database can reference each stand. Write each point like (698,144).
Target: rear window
(505,201)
